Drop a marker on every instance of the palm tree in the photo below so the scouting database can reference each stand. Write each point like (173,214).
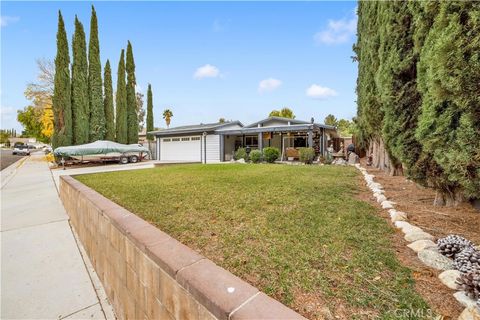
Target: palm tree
(167,115)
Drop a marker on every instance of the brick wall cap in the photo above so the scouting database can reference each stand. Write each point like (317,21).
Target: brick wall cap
(215,288)
(147,236)
(172,256)
(266,308)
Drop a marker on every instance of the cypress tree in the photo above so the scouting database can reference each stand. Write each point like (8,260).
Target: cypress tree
(80,105)
(121,102)
(62,133)
(449,78)
(132,121)
(97,114)
(149,112)
(396,83)
(108,103)
(369,110)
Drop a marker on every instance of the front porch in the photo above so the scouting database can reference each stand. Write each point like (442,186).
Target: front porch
(288,139)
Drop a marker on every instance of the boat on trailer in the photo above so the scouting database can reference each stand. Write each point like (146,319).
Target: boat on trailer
(103,151)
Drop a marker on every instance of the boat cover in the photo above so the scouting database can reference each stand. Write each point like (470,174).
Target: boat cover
(98,147)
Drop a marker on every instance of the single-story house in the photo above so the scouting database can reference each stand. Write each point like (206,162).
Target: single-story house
(216,142)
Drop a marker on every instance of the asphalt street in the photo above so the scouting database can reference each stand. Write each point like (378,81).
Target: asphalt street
(6,158)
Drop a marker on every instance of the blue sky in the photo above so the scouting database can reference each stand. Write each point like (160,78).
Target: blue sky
(205,60)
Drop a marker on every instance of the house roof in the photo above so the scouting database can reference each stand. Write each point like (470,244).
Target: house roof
(219,127)
(202,127)
(286,120)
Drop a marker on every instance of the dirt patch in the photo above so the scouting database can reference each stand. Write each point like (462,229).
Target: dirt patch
(417,202)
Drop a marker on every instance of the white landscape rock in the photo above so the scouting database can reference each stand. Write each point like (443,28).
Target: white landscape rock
(398,216)
(418,235)
(471,313)
(381,198)
(377,190)
(449,277)
(435,259)
(407,227)
(464,300)
(387,204)
(419,245)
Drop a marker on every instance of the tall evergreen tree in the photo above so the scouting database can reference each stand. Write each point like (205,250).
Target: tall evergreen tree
(449,80)
(108,103)
(80,105)
(369,114)
(396,83)
(62,134)
(121,102)
(132,121)
(149,112)
(97,113)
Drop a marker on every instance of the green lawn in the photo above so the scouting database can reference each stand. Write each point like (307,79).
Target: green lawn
(298,233)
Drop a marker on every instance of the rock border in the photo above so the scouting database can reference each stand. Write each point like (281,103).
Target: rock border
(423,244)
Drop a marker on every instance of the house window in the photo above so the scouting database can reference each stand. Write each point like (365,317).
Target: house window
(175,139)
(195,138)
(185,139)
(300,142)
(166,140)
(251,141)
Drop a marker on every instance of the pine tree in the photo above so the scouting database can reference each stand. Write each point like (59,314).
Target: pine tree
(132,121)
(80,105)
(62,135)
(108,103)
(121,102)
(149,112)
(97,113)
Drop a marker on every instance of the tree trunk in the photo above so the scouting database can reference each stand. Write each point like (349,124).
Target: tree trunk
(448,199)
(381,159)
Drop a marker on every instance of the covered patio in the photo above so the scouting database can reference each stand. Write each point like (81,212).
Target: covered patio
(287,138)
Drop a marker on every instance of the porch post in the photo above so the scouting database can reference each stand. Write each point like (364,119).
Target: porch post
(158,149)
(281,144)
(310,138)
(323,141)
(260,141)
(222,148)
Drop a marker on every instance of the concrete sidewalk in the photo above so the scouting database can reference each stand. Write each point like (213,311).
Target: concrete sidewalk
(43,274)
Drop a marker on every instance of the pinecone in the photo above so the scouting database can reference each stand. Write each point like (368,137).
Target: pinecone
(452,245)
(468,260)
(470,283)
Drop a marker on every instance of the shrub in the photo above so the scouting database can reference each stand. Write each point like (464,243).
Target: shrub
(240,154)
(270,154)
(306,154)
(256,156)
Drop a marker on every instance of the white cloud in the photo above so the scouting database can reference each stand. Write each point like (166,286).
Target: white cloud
(6,20)
(269,84)
(207,71)
(316,91)
(337,31)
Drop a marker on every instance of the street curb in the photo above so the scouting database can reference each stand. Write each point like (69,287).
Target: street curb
(10,171)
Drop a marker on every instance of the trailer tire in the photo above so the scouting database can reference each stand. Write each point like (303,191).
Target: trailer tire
(133,159)
(123,160)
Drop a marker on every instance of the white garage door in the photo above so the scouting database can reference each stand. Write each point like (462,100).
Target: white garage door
(180,149)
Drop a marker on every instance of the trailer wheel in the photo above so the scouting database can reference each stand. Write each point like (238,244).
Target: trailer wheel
(134,159)
(123,160)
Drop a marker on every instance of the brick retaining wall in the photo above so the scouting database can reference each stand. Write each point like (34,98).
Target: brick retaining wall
(149,275)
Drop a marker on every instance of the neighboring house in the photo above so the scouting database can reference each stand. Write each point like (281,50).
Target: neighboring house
(216,142)
(31,141)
